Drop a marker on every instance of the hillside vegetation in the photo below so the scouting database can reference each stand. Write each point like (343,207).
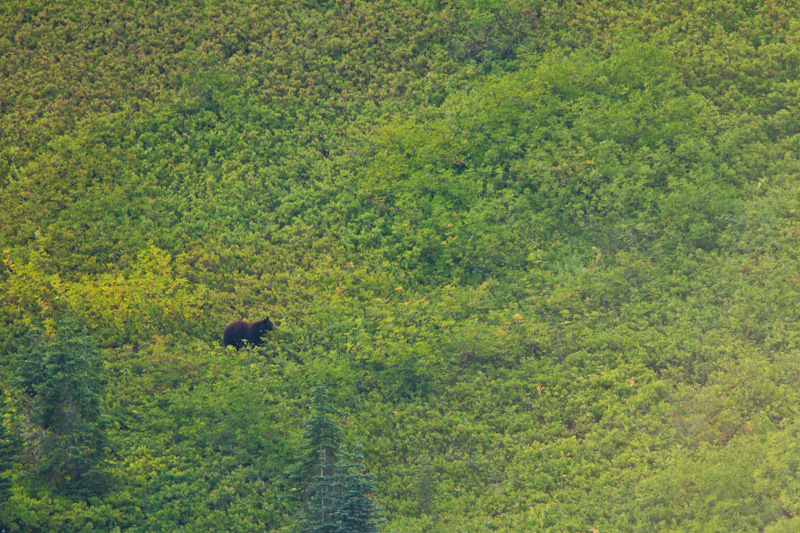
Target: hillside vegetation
(543,256)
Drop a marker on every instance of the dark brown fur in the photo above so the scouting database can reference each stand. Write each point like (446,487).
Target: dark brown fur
(236,333)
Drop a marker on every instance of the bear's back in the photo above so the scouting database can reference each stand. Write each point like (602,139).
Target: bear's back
(236,333)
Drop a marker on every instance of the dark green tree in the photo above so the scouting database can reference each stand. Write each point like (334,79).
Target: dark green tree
(354,508)
(61,377)
(341,500)
(337,488)
(319,513)
(315,464)
(322,437)
(424,485)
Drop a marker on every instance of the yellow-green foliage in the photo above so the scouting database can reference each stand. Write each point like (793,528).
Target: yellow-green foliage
(542,255)
(132,306)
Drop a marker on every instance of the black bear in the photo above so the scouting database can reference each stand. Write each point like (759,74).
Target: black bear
(237,332)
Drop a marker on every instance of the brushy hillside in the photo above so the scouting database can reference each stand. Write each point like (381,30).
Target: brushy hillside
(542,255)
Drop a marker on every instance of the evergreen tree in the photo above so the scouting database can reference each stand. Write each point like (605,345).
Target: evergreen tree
(322,439)
(424,485)
(354,509)
(319,514)
(67,439)
(337,488)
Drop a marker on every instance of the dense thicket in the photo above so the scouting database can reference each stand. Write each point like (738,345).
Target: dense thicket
(543,256)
